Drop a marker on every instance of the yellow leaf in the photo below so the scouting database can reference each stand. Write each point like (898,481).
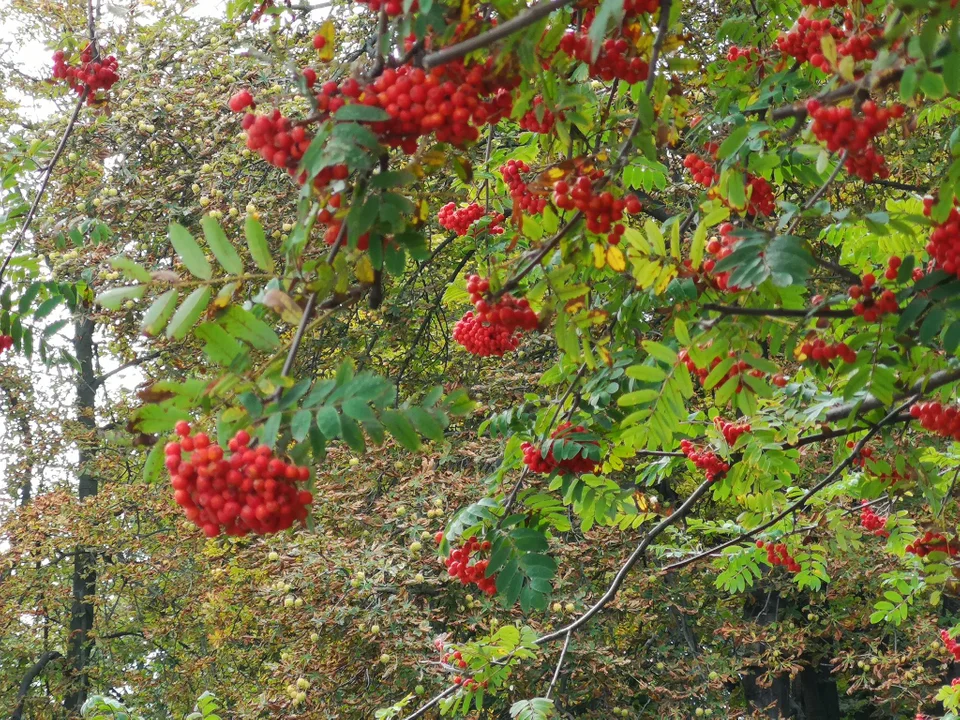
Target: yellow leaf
(599,257)
(656,237)
(666,275)
(615,259)
(327,32)
(675,241)
(605,356)
(434,158)
(423,212)
(637,240)
(829,47)
(364,269)
(698,245)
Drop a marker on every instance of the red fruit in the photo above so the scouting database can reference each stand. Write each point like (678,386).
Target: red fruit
(182,428)
(241,101)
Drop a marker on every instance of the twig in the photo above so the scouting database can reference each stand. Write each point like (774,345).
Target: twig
(44,181)
(776,312)
(485,39)
(634,558)
(923,385)
(419,712)
(556,672)
(338,243)
(820,191)
(605,114)
(98,381)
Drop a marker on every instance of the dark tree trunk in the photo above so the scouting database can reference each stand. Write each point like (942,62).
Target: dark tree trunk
(818,693)
(80,644)
(774,701)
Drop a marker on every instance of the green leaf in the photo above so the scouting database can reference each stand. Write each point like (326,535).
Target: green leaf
(646,373)
(115,298)
(189,252)
(188,313)
(401,429)
(220,347)
(153,467)
(132,270)
(248,327)
(257,244)
(157,315)
(352,435)
(328,421)
(361,113)
(222,249)
(155,418)
(300,424)
(425,423)
(733,142)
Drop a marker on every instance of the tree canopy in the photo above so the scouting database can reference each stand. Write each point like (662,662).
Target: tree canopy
(408,359)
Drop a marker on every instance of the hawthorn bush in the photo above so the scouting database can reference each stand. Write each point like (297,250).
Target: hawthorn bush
(691,453)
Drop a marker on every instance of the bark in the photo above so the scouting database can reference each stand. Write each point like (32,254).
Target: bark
(80,643)
(818,693)
(774,701)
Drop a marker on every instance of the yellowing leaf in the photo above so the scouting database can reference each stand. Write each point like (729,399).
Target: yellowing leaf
(327,32)
(423,212)
(656,237)
(615,258)
(599,256)
(666,275)
(675,241)
(364,269)
(637,240)
(283,305)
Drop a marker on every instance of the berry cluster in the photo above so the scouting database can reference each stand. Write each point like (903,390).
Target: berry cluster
(449,102)
(612,62)
(841,130)
(860,37)
(866,453)
(530,122)
(493,329)
(731,431)
(873,523)
(249,491)
(91,75)
(869,307)
(460,220)
(952,645)
(931,542)
(458,565)
(523,198)
(720,247)
(544,464)
(760,197)
(241,101)
(821,352)
(702,170)
(750,54)
(803,42)
(777,554)
(392,8)
(933,416)
(602,211)
(944,242)
(469,684)
(736,369)
(713,467)
(6,342)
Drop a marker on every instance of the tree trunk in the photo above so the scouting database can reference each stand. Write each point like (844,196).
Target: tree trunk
(818,693)
(80,644)
(774,701)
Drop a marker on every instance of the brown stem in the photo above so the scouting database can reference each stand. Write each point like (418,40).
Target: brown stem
(488,38)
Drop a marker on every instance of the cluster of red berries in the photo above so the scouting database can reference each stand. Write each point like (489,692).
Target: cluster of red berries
(932,542)
(91,75)
(871,308)
(493,329)
(860,37)
(601,211)
(392,8)
(944,242)
(738,368)
(707,460)
(873,523)
(952,645)
(720,247)
(702,170)
(750,54)
(6,342)
(760,197)
(249,491)
(866,454)
(827,4)
(469,684)
(731,431)
(933,416)
(520,193)
(777,554)
(534,458)
(460,220)
(530,122)
(458,565)
(803,42)
(840,129)
(823,353)
(612,62)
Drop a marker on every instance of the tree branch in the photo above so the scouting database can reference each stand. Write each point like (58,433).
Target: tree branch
(32,673)
(556,673)
(488,38)
(923,385)
(777,312)
(101,379)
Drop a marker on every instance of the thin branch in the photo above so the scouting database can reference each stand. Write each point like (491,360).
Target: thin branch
(32,673)
(298,338)
(48,173)
(820,191)
(100,380)
(605,114)
(488,38)
(338,243)
(923,385)
(799,504)
(634,558)
(556,672)
(777,312)
(419,712)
